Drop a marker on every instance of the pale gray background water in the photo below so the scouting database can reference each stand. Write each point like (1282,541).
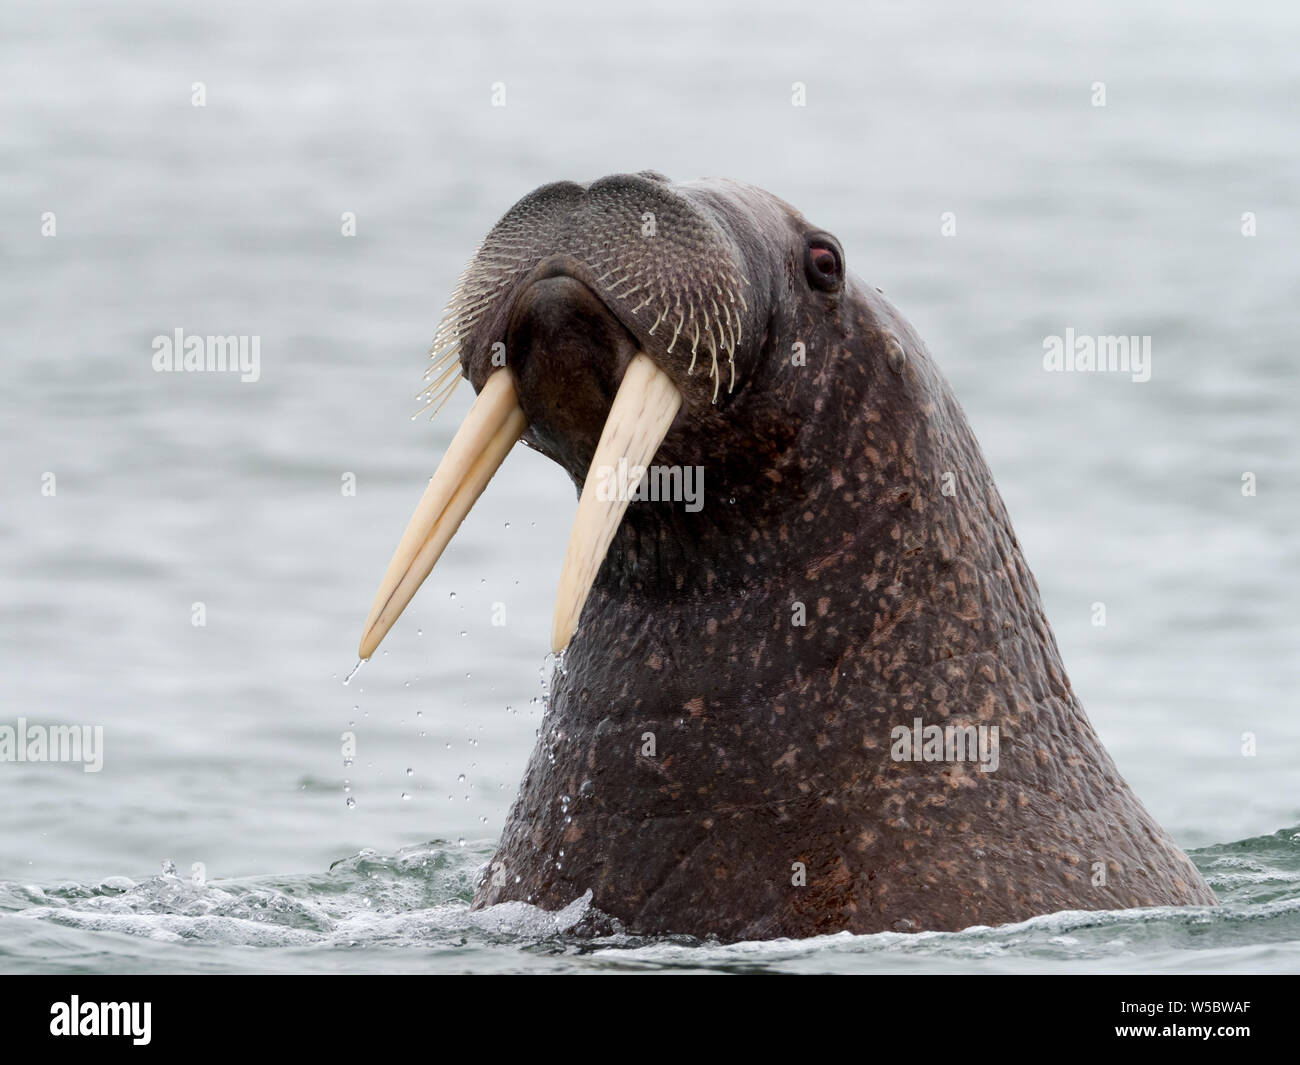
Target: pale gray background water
(223,741)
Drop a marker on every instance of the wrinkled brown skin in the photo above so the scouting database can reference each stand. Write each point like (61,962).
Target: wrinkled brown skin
(823,485)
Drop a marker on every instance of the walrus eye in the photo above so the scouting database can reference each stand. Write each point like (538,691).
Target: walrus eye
(823,263)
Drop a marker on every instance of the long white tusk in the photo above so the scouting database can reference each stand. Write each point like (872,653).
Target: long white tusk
(477,450)
(638,421)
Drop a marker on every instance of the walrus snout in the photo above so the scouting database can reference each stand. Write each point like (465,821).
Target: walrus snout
(662,262)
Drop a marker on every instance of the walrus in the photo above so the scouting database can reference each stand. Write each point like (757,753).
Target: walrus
(828,699)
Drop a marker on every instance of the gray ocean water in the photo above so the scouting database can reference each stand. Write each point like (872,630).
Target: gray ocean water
(222,741)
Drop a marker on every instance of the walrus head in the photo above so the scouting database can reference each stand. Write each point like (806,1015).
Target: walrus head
(721,295)
(729,746)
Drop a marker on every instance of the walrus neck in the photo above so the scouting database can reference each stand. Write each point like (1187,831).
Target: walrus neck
(899,574)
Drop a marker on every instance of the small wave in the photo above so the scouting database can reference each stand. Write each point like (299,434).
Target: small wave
(412,910)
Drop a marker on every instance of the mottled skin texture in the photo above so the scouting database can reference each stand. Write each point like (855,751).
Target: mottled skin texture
(823,486)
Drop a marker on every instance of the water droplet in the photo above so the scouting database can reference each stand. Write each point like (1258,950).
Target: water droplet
(351,802)
(461,779)
(410,772)
(168,867)
(360,662)
(507,525)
